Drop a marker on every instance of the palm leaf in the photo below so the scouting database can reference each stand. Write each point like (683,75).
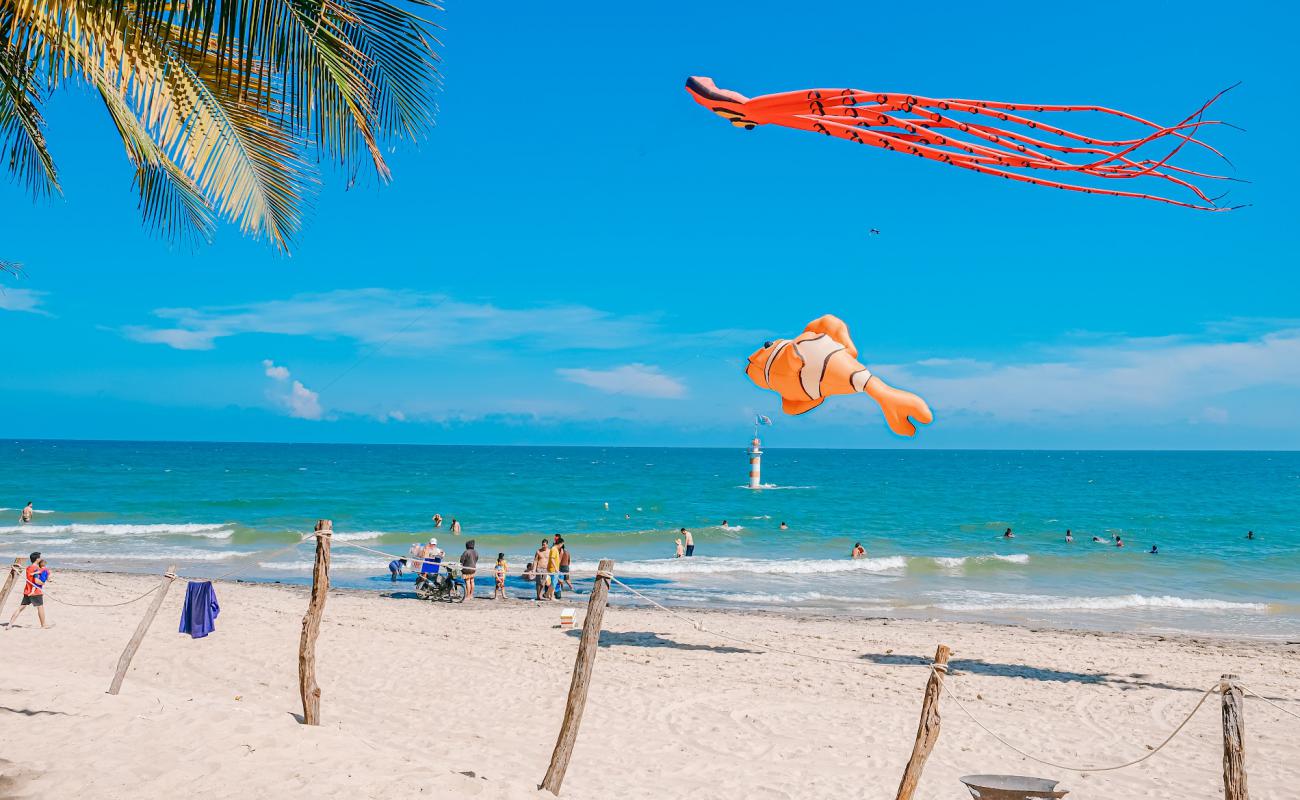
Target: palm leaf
(22,137)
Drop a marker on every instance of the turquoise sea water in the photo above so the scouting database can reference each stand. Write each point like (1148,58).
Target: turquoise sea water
(931,522)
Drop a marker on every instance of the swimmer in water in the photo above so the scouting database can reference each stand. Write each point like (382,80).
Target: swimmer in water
(724,523)
(1118,541)
(1069,537)
(1155,551)
(859,551)
(437,520)
(1008,534)
(606,506)
(1097,539)
(26,515)
(1249,534)
(785,527)
(680,552)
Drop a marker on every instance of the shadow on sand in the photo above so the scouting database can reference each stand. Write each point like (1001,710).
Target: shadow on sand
(977,666)
(648,639)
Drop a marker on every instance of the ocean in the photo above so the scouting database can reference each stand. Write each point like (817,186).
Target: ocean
(931,523)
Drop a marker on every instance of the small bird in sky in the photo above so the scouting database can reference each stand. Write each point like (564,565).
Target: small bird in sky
(874,232)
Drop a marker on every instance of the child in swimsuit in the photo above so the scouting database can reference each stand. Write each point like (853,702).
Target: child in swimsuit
(500,592)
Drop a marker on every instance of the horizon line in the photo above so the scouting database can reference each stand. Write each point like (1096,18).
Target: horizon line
(18,440)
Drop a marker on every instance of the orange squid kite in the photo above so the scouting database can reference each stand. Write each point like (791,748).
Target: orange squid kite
(994,142)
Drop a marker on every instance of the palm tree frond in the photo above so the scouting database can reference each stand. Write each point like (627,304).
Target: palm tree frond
(22,135)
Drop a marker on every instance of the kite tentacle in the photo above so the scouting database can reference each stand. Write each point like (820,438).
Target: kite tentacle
(889,142)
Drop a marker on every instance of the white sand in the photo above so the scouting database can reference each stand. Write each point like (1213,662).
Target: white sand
(415,693)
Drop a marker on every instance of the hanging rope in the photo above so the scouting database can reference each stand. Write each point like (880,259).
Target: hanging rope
(1045,762)
(1259,696)
(259,554)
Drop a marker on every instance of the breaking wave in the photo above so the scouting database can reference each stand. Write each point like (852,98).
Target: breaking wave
(705,566)
(204,530)
(989,601)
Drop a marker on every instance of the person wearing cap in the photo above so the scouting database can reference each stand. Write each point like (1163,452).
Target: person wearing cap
(432,556)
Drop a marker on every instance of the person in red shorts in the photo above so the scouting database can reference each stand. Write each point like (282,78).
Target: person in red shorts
(33,593)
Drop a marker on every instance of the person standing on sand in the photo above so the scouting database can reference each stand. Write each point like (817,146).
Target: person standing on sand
(499,593)
(539,567)
(565,565)
(33,591)
(553,568)
(690,542)
(469,568)
(26,516)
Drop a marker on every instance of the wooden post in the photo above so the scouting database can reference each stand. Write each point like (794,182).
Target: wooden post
(320,585)
(124,663)
(14,571)
(1234,740)
(927,730)
(582,665)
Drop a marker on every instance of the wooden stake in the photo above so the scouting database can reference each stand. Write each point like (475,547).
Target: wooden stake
(14,571)
(587,647)
(927,730)
(124,663)
(1234,740)
(320,585)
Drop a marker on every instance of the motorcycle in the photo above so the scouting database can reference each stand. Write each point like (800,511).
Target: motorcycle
(446,585)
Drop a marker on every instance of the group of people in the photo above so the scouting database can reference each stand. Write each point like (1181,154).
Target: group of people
(34,579)
(549,569)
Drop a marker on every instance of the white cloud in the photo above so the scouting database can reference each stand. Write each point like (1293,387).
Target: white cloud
(639,380)
(398,320)
(22,300)
(172,337)
(1117,379)
(274,372)
(298,400)
(304,403)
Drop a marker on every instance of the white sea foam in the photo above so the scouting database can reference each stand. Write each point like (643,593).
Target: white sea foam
(705,566)
(171,553)
(34,510)
(339,561)
(360,536)
(987,601)
(732,527)
(204,530)
(960,561)
(761,598)
(773,486)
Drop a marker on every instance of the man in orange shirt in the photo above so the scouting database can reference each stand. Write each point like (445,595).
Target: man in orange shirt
(33,593)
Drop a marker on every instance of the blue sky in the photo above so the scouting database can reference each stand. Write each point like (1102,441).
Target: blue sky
(580,254)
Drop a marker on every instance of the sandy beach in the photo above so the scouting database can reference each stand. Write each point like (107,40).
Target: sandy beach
(465,701)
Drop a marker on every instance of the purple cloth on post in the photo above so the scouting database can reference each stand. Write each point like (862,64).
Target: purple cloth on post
(199,616)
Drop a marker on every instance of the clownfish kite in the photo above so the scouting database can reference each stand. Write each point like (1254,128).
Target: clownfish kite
(927,127)
(823,361)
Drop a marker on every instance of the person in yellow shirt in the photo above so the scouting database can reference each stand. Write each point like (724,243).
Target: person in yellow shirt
(553,569)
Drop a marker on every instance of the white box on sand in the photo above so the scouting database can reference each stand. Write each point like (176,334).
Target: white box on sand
(567,616)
